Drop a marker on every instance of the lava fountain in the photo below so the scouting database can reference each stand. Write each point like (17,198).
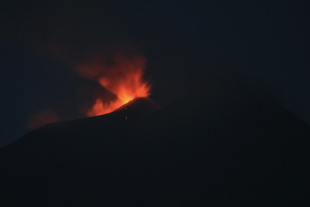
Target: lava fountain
(121,74)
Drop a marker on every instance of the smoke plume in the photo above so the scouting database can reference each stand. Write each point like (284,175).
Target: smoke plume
(121,73)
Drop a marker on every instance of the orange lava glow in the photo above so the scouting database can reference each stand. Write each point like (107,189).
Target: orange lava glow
(122,75)
(100,108)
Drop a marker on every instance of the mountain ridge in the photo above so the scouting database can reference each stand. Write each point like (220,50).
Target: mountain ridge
(238,149)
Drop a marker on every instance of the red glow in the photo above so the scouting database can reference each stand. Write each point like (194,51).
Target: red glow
(122,75)
(100,108)
(42,118)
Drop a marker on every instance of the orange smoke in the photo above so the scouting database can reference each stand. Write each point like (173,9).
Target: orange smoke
(121,74)
(42,118)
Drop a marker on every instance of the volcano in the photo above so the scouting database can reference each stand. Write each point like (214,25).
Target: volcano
(229,147)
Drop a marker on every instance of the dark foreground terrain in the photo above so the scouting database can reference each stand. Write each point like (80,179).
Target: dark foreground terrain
(227,146)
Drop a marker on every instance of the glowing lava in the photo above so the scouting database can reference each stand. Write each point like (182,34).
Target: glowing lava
(121,74)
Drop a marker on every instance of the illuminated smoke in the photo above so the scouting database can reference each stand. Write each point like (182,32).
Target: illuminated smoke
(42,118)
(121,74)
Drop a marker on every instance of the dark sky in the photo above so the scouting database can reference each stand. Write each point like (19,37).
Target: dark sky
(267,42)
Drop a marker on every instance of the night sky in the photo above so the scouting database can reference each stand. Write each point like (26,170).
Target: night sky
(266,43)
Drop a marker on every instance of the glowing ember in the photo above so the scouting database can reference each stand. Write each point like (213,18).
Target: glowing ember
(122,75)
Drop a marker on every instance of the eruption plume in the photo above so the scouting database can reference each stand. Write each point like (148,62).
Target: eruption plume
(121,74)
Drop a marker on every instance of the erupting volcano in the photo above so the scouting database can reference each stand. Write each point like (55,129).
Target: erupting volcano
(121,74)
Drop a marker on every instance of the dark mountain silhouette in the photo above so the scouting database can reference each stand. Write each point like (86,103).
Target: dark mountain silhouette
(227,145)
